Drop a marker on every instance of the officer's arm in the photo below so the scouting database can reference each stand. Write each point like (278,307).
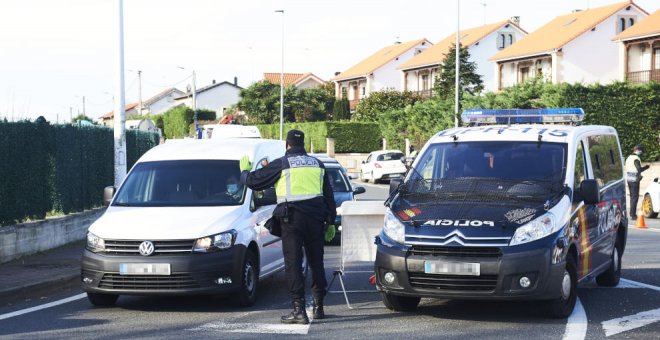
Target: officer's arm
(263,178)
(329,198)
(639,167)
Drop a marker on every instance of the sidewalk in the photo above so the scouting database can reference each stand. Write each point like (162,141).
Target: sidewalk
(41,273)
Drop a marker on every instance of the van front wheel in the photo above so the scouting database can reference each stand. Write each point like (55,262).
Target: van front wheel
(563,306)
(247,293)
(400,303)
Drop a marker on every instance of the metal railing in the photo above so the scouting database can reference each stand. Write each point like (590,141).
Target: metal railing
(425,93)
(639,77)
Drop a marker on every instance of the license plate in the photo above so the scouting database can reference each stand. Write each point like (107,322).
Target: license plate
(144,269)
(452,268)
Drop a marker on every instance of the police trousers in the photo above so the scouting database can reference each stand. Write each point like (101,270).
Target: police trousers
(300,231)
(633,188)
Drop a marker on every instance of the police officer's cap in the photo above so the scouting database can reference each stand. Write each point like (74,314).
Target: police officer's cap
(295,138)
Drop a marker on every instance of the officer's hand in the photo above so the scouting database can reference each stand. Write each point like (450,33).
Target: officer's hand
(244,164)
(330,233)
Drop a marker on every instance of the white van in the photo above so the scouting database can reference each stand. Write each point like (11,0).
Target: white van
(181,223)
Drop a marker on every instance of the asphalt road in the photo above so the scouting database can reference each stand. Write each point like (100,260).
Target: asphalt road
(630,311)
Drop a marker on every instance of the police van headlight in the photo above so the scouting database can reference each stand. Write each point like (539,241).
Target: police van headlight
(215,242)
(393,228)
(536,229)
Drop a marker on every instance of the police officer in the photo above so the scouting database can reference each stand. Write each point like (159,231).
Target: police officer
(305,205)
(634,171)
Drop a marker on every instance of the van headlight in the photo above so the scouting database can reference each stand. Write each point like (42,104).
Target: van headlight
(536,229)
(215,242)
(95,243)
(393,228)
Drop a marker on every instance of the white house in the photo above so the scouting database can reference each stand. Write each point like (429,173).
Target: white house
(377,72)
(419,73)
(215,97)
(639,51)
(572,48)
(161,102)
(298,80)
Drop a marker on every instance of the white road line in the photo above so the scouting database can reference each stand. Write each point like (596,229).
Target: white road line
(626,323)
(353,291)
(576,326)
(44,306)
(641,285)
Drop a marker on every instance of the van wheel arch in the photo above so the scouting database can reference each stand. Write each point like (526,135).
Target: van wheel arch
(254,248)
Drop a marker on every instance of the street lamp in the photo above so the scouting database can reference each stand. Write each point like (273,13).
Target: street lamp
(282,80)
(457,62)
(194,98)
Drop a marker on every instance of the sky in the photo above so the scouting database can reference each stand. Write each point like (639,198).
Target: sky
(55,52)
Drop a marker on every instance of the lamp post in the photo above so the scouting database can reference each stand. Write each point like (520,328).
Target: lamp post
(120,113)
(458,63)
(194,98)
(282,80)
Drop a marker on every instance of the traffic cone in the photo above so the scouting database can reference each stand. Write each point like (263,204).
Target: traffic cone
(640,220)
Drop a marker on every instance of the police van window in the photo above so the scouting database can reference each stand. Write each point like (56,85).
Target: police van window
(605,160)
(580,173)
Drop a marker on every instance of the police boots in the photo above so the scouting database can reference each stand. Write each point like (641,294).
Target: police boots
(318,308)
(298,315)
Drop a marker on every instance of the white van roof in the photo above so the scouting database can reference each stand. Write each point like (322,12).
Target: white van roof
(222,131)
(226,149)
(520,132)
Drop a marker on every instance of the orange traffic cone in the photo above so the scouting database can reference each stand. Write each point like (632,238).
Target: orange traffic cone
(640,220)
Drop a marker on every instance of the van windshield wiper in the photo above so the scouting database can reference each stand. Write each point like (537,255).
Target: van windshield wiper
(121,204)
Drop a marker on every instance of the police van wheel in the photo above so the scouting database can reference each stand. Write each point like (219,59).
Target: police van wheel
(563,306)
(247,293)
(102,300)
(399,303)
(610,278)
(647,207)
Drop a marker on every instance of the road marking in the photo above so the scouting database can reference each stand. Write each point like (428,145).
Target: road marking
(623,284)
(653,229)
(576,326)
(44,306)
(626,323)
(258,328)
(641,285)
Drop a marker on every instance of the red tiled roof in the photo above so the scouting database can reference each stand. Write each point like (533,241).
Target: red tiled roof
(111,114)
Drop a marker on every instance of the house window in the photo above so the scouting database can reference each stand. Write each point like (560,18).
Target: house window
(344,92)
(631,22)
(363,90)
(501,42)
(539,68)
(510,39)
(656,58)
(524,74)
(622,24)
(425,82)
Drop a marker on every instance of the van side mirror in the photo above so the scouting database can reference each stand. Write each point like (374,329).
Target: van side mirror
(108,194)
(589,191)
(359,190)
(394,183)
(656,179)
(264,198)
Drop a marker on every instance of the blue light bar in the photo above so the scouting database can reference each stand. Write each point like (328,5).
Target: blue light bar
(523,116)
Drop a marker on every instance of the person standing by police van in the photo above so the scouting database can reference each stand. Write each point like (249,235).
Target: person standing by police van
(634,171)
(306,206)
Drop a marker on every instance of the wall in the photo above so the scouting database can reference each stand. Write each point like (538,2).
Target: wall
(487,47)
(29,238)
(164,103)
(388,76)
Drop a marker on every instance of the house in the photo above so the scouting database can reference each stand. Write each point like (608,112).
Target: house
(108,119)
(161,102)
(639,51)
(298,80)
(572,48)
(482,42)
(215,97)
(377,72)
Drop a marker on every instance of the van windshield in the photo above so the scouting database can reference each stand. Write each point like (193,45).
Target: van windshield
(182,183)
(509,170)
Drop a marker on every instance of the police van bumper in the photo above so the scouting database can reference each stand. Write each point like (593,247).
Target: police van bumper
(500,276)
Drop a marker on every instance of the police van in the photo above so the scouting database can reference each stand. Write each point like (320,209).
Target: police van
(181,223)
(524,209)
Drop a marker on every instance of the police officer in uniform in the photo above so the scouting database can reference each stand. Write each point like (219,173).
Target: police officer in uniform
(634,171)
(305,207)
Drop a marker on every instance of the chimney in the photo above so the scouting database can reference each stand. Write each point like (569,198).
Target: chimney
(236,81)
(337,73)
(213,82)
(516,20)
(577,10)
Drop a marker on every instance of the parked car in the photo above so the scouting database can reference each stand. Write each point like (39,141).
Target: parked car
(182,224)
(382,165)
(651,200)
(341,187)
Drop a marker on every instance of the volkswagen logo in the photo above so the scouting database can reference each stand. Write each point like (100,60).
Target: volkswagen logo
(146,248)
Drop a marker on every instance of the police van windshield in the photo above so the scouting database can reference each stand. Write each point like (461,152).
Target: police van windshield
(182,183)
(508,169)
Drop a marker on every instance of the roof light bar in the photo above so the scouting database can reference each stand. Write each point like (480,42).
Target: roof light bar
(522,116)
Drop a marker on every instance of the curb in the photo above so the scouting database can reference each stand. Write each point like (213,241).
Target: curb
(52,284)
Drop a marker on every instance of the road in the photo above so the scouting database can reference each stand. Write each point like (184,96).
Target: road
(631,310)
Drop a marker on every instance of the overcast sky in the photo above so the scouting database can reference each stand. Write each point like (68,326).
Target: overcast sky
(53,52)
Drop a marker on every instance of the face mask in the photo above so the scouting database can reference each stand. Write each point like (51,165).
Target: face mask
(638,153)
(232,188)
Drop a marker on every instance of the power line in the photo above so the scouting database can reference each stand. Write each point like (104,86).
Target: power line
(166,85)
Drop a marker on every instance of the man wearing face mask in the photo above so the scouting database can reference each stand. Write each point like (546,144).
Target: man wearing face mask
(634,171)
(233,188)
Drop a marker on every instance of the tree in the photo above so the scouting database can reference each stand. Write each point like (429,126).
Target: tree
(470,80)
(341,109)
(260,101)
(80,117)
(369,109)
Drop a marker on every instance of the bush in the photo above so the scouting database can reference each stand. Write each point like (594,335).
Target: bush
(349,136)
(341,109)
(370,108)
(176,122)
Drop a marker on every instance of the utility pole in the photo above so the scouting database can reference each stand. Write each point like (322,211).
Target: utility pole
(70,114)
(120,113)
(282,81)
(83,99)
(457,62)
(139,92)
(194,101)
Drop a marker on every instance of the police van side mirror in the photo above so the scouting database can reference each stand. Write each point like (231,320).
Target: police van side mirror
(589,191)
(108,193)
(394,183)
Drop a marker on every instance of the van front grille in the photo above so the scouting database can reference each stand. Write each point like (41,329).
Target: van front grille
(131,247)
(488,252)
(453,282)
(148,282)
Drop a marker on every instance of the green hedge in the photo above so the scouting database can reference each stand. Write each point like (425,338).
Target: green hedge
(349,136)
(59,168)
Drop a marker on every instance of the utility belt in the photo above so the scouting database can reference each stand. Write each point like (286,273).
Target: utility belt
(633,177)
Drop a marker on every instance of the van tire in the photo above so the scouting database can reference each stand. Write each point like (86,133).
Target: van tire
(400,303)
(562,307)
(647,207)
(611,277)
(247,293)
(102,300)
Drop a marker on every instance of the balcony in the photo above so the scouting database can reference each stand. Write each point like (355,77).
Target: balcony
(640,77)
(424,93)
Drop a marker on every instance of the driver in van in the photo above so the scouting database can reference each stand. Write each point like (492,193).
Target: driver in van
(233,188)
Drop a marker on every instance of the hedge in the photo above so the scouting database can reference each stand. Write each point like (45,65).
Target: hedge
(59,168)
(349,136)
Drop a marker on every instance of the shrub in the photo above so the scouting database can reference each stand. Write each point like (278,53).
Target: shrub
(349,136)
